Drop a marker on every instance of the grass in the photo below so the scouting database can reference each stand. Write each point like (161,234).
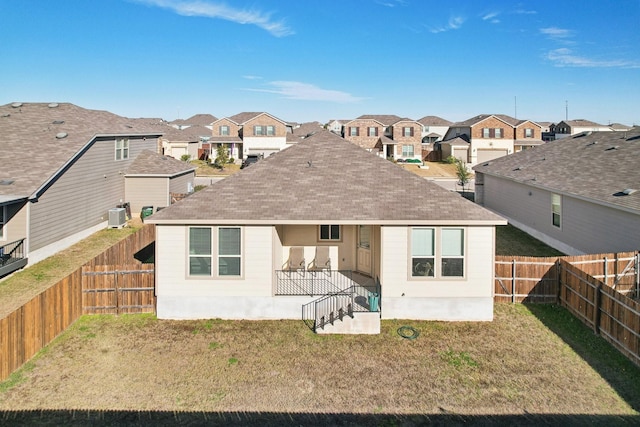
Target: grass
(529,360)
(19,288)
(207,169)
(513,241)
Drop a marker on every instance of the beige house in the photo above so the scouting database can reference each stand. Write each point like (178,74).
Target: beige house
(579,194)
(321,225)
(388,136)
(63,170)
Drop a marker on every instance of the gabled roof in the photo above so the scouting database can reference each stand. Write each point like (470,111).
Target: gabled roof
(434,121)
(201,119)
(38,139)
(619,126)
(596,166)
(325,179)
(242,118)
(481,117)
(149,163)
(458,141)
(581,123)
(308,128)
(189,134)
(384,119)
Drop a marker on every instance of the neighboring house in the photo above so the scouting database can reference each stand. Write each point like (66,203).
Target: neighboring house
(249,133)
(204,120)
(573,127)
(191,141)
(302,131)
(152,179)
(619,127)
(580,194)
(494,135)
(335,126)
(434,129)
(388,136)
(63,169)
(255,256)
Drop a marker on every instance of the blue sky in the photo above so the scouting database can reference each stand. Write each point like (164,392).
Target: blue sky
(318,60)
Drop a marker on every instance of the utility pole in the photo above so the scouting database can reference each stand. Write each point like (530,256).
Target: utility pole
(515,107)
(566,110)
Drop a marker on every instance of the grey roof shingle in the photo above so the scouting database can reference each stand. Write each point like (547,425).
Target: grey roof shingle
(201,119)
(434,121)
(30,153)
(585,166)
(324,178)
(151,163)
(189,134)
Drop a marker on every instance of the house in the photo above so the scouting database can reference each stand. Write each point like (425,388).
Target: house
(189,141)
(580,194)
(204,120)
(63,169)
(250,133)
(153,179)
(256,256)
(336,125)
(434,129)
(388,136)
(494,135)
(573,127)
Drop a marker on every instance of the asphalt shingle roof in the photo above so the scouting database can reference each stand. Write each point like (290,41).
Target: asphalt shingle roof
(434,121)
(151,163)
(597,167)
(325,178)
(30,152)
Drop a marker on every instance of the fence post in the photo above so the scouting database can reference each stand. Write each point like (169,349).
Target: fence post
(596,309)
(513,281)
(558,283)
(606,270)
(637,267)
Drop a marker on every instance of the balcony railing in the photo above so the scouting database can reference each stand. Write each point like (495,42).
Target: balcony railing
(12,257)
(312,283)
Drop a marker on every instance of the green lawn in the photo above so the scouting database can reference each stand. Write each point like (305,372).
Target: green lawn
(512,241)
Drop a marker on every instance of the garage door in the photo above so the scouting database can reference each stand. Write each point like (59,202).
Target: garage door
(486,155)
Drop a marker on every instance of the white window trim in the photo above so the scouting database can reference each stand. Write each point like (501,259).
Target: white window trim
(3,223)
(437,256)
(330,239)
(559,213)
(214,254)
(122,150)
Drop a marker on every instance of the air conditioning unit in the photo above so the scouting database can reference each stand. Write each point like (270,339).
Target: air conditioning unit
(117,218)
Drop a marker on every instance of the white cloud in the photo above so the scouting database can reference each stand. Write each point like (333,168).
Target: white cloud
(216,10)
(455,22)
(250,77)
(308,92)
(491,17)
(390,3)
(564,57)
(556,33)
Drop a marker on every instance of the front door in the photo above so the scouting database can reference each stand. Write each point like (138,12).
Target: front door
(363,255)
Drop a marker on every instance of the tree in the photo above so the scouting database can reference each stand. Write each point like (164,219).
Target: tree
(185,157)
(222,156)
(463,174)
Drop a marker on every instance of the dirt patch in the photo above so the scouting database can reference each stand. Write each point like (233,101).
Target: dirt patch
(433,169)
(513,365)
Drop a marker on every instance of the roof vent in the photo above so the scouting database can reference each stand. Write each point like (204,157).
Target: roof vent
(57,122)
(16,104)
(613,147)
(53,105)
(6,181)
(592,143)
(628,191)
(6,115)
(61,135)
(517,169)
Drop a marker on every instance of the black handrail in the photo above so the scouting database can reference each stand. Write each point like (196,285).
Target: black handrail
(11,252)
(312,282)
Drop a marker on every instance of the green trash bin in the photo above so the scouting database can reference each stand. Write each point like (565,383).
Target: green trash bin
(145,212)
(374,298)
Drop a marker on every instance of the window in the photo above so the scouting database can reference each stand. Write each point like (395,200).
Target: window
(452,252)
(229,255)
(407,151)
(528,133)
(407,131)
(228,251)
(271,130)
(372,131)
(122,149)
(447,261)
(353,131)
(422,253)
(486,133)
(556,210)
(3,218)
(498,132)
(258,130)
(329,232)
(224,130)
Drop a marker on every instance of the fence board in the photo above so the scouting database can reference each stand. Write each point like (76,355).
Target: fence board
(118,289)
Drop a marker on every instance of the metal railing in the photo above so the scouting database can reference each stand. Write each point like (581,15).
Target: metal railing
(312,282)
(12,257)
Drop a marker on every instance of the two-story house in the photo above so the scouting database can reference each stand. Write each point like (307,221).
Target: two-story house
(491,136)
(387,136)
(250,133)
(573,127)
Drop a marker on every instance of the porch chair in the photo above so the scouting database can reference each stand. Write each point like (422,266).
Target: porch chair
(296,259)
(322,261)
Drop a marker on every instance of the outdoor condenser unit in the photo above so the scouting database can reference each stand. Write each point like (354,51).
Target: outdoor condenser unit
(117,218)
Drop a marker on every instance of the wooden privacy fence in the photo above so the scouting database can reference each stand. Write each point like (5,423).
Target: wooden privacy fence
(597,289)
(34,325)
(535,279)
(614,316)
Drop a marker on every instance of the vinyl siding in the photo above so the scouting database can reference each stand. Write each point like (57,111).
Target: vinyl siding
(180,184)
(342,253)
(146,191)
(81,197)
(585,227)
(15,227)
